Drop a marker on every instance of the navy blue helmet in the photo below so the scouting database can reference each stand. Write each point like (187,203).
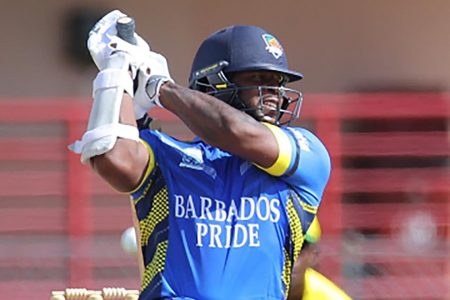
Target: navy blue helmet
(244,48)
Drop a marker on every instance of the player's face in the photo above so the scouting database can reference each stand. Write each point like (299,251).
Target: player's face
(264,98)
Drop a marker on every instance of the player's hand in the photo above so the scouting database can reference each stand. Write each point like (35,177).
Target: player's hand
(103,41)
(151,75)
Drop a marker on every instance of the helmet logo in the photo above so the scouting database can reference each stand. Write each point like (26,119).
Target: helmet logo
(272,45)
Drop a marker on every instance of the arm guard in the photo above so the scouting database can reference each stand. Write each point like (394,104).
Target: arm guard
(104,127)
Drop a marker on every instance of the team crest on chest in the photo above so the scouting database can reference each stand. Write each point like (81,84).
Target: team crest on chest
(272,45)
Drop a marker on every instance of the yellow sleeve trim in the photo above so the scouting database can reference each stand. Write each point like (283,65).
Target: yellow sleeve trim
(284,152)
(150,166)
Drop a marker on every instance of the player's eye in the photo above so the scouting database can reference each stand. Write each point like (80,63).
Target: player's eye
(268,79)
(256,79)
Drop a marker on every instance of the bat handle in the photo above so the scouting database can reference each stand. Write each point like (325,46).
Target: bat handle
(125,29)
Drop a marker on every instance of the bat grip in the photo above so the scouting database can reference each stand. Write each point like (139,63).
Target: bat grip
(125,29)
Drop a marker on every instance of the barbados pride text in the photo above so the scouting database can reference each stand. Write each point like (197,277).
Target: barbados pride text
(227,225)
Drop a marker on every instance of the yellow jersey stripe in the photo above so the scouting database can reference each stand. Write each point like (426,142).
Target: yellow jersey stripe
(159,212)
(296,228)
(309,208)
(144,193)
(156,266)
(305,206)
(286,271)
(150,166)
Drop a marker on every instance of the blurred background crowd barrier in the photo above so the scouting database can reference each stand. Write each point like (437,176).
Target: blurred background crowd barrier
(385,217)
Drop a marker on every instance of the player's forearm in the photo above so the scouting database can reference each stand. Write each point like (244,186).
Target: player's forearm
(123,166)
(213,121)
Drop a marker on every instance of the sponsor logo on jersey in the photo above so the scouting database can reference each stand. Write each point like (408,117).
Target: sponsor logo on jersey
(301,140)
(272,45)
(192,163)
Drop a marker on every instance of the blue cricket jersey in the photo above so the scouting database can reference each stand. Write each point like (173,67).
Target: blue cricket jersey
(214,226)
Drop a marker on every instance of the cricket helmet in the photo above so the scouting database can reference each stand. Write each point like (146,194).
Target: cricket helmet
(243,48)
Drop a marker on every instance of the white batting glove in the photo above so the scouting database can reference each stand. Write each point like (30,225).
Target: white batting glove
(150,67)
(103,41)
(152,73)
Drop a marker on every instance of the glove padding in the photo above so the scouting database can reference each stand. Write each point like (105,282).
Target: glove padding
(152,73)
(103,41)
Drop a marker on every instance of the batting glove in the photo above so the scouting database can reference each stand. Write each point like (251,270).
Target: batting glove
(103,41)
(153,73)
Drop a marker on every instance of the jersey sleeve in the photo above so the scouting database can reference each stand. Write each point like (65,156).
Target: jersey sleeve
(160,148)
(303,162)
